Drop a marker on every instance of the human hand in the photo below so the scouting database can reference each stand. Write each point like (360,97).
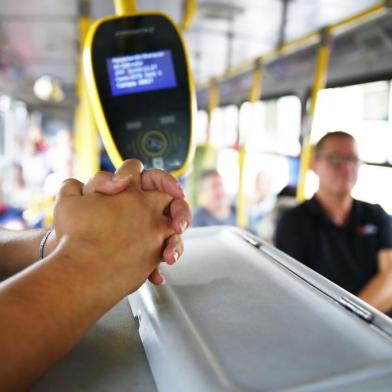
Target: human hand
(384,257)
(121,235)
(179,210)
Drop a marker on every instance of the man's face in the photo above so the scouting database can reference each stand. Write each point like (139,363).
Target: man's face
(263,185)
(214,194)
(337,166)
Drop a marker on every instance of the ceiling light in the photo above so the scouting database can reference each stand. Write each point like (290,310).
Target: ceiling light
(47,88)
(220,10)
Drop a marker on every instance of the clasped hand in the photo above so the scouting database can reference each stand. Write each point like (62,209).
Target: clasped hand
(130,220)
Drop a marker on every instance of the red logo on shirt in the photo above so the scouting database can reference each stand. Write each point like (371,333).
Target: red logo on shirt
(368,229)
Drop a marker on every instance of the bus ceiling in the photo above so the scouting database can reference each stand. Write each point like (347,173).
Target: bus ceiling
(41,38)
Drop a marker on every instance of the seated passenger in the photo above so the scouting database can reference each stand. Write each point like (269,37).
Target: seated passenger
(216,207)
(10,217)
(346,240)
(285,200)
(107,239)
(263,200)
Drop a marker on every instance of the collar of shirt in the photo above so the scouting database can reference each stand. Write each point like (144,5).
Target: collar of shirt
(355,224)
(316,209)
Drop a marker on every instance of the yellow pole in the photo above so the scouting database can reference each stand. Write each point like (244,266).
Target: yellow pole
(213,103)
(205,157)
(319,82)
(242,205)
(86,138)
(257,79)
(254,95)
(86,135)
(190,8)
(125,7)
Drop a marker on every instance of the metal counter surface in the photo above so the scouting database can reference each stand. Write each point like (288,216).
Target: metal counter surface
(110,357)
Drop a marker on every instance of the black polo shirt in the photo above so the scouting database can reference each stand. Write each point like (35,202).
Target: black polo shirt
(345,255)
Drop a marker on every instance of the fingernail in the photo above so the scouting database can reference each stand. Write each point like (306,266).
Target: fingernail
(163,280)
(176,255)
(115,179)
(183,226)
(118,176)
(180,188)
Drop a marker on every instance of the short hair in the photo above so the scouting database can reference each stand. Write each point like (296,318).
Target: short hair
(320,144)
(289,191)
(208,173)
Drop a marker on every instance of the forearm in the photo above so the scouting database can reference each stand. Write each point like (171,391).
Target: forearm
(378,291)
(18,249)
(45,309)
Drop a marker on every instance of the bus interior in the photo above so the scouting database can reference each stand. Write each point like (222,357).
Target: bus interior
(271,78)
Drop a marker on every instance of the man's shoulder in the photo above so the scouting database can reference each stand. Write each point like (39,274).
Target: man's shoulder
(298,212)
(200,212)
(294,229)
(298,219)
(370,209)
(202,217)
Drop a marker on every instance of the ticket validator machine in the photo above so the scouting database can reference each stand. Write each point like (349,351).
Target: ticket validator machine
(141,89)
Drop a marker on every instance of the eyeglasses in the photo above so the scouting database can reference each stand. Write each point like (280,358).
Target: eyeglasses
(336,159)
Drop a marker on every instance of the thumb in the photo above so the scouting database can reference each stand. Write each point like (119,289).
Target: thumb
(70,187)
(130,171)
(103,182)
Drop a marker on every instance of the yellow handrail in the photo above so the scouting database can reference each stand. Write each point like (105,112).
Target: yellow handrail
(363,16)
(297,44)
(125,7)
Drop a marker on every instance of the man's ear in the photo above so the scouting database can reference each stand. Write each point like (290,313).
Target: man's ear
(313,160)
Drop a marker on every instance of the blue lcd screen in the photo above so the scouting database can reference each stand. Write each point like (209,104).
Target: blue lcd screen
(141,72)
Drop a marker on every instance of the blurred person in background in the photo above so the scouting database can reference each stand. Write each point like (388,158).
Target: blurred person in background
(60,160)
(263,200)
(216,208)
(346,240)
(35,162)
(17,190)
(10,217)
(285,200)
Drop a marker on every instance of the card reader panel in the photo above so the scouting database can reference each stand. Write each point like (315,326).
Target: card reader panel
(143,84)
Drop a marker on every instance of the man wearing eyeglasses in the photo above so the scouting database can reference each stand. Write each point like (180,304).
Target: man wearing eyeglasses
(346,240)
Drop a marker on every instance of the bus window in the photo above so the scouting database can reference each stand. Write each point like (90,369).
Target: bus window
(374,186)
(272,126)
(270,130)
(201,124)
(272,140)
(2,135)
(224,125)
(227,166)
(277,166)
(289,125)
(250,124)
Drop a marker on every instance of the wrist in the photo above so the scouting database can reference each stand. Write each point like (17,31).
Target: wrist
(92,265)
(47,244)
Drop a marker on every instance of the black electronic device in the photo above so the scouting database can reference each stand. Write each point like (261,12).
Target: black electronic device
(141,90)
